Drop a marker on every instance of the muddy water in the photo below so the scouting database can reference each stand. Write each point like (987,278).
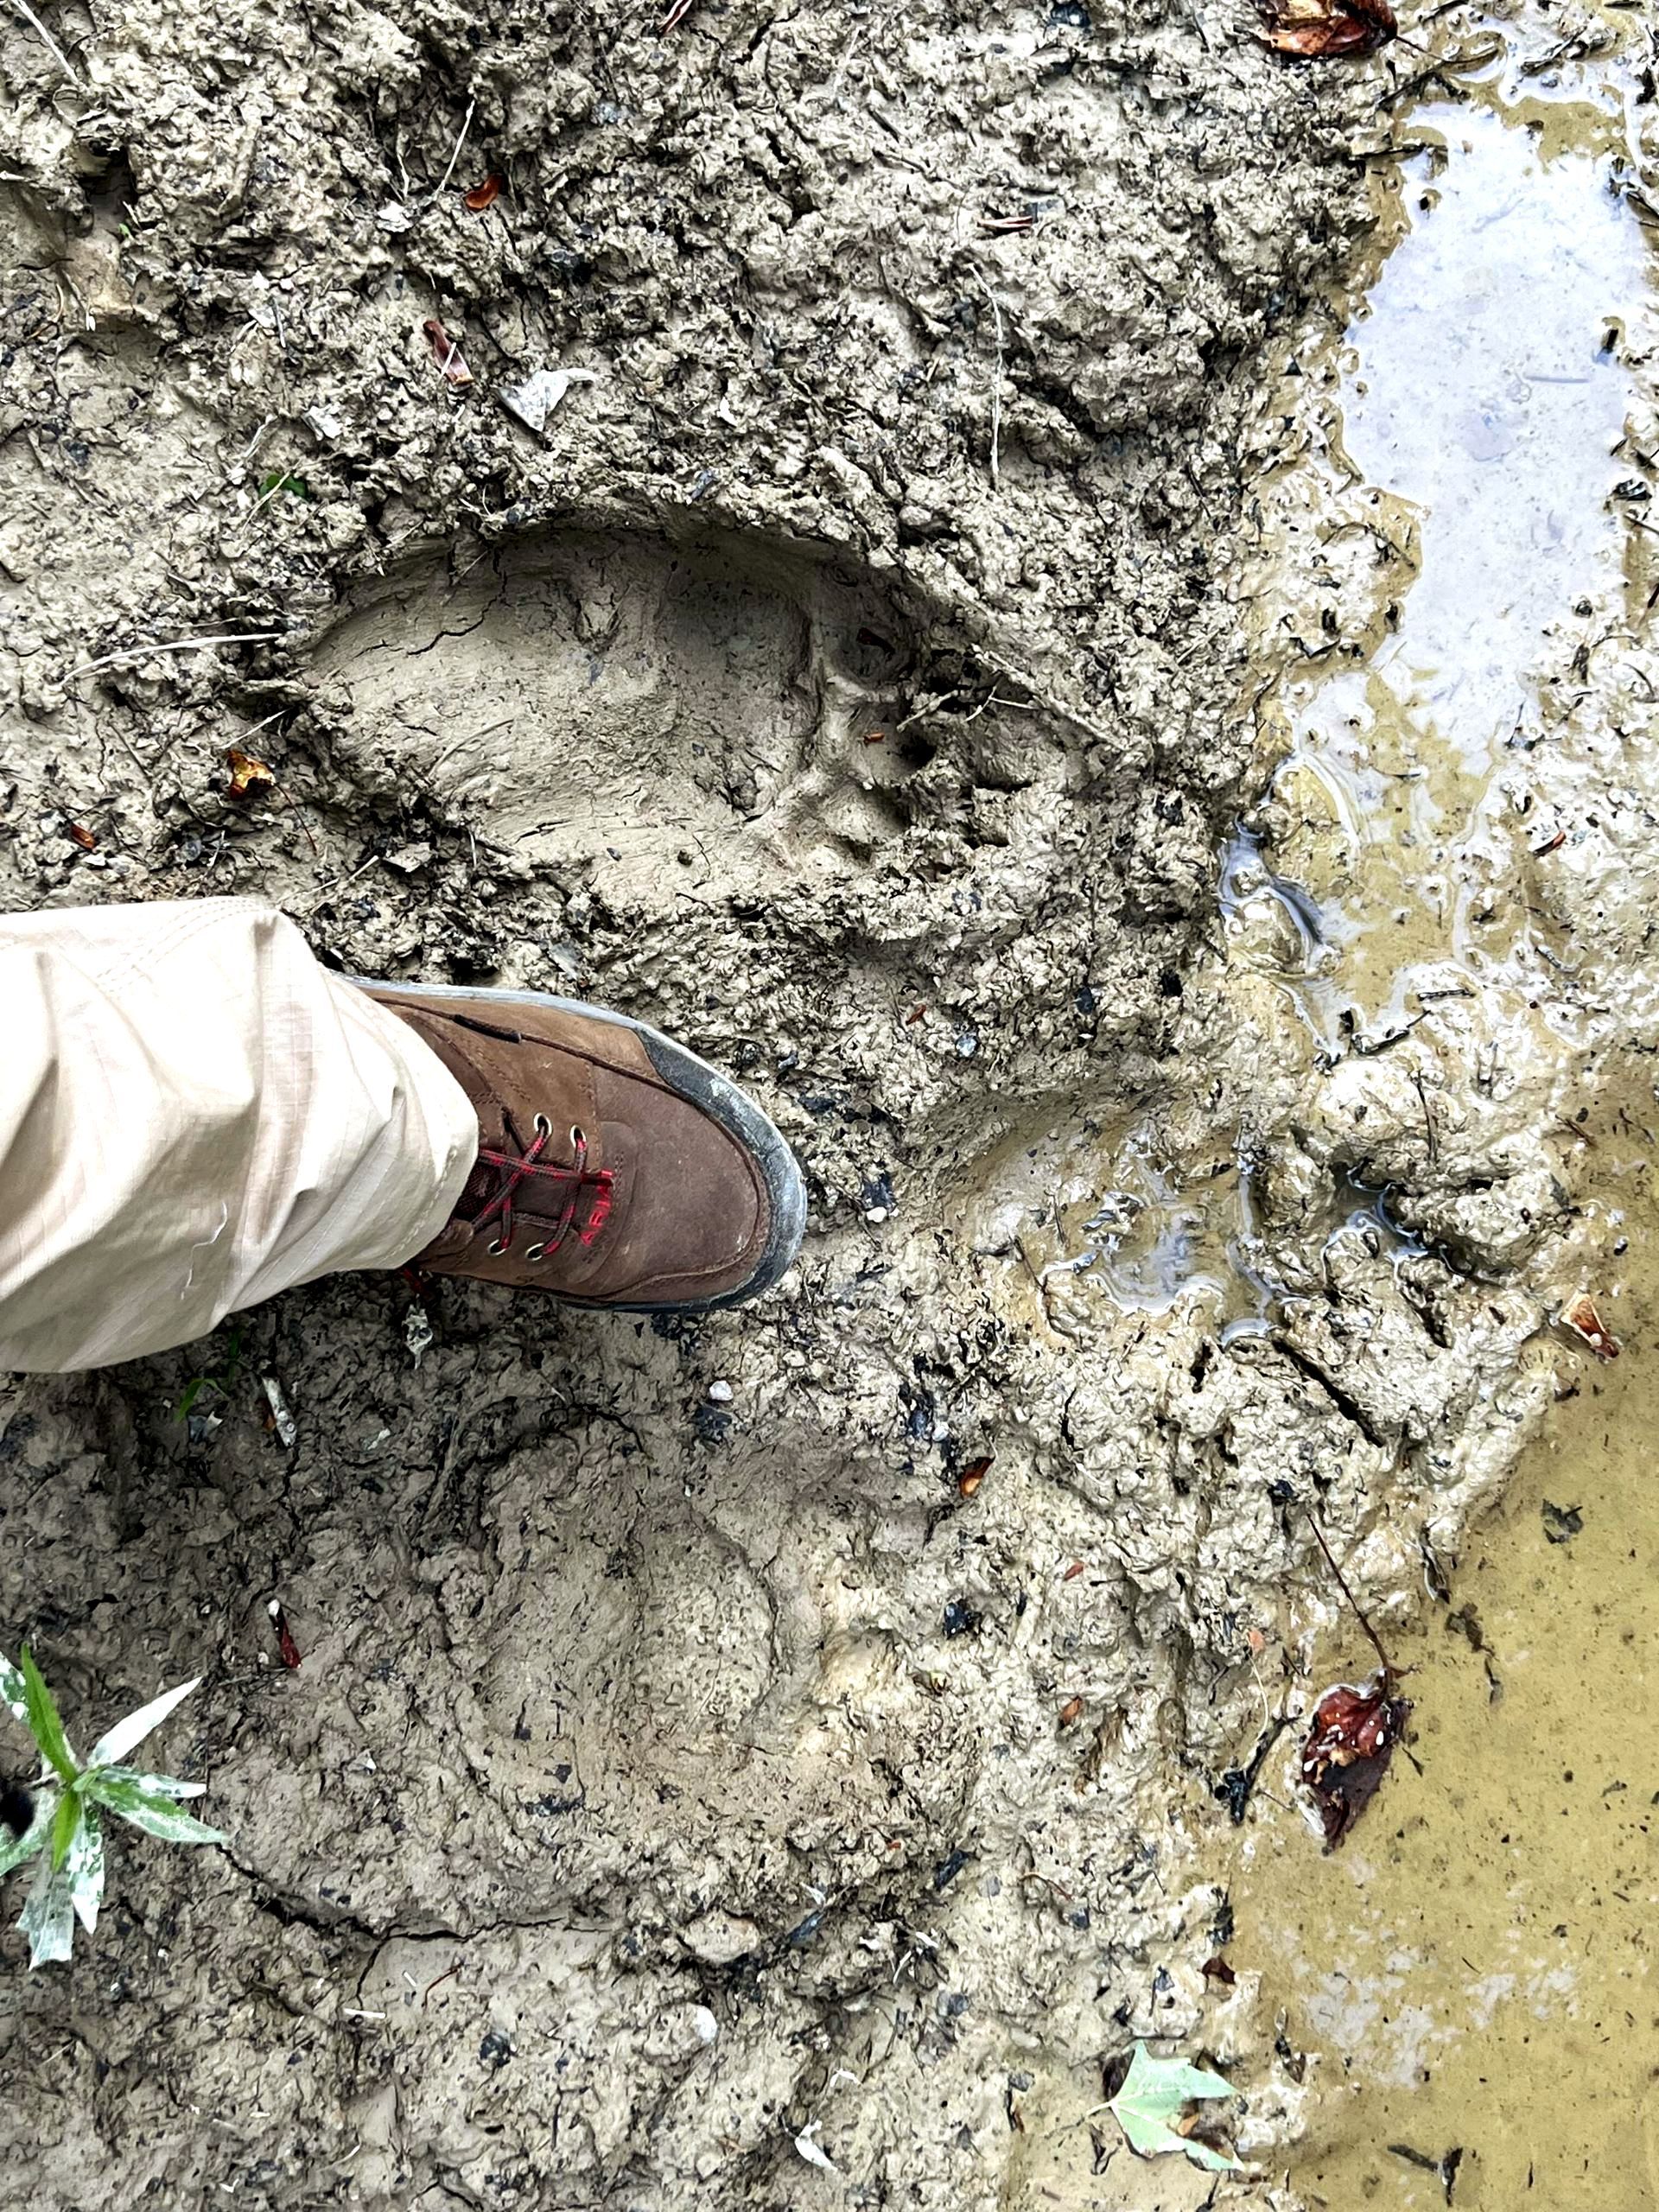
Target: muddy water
(1467,1983)
(1473,1972)
(1467,1980)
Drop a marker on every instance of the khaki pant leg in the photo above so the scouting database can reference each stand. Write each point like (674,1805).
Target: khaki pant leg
(193,1115)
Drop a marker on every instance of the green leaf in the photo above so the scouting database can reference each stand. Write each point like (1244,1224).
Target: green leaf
(281,479)
(84,1868)
(41,1717)
(116,1742)
(1154,2093)
(12,1695)
(163,1785)
(137,1799)
(48,1914)
(193,1390)
(14,1849)
(64,1827)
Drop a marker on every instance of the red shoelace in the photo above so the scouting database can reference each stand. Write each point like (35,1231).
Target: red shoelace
(526,1172)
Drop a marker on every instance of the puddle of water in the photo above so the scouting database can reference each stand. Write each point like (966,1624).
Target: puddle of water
(1480,399)
(1472,1971)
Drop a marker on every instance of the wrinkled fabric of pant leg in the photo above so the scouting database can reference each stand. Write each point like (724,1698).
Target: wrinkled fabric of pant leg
(195,1115)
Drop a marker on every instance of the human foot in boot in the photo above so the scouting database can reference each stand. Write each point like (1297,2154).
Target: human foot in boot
(614,1167)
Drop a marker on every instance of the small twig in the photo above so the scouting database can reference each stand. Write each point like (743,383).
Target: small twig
(1389,1670)
(176,645)
(333,889)
(467,125)
(48,41)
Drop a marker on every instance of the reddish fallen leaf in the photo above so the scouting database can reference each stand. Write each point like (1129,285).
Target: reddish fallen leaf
(875,737)
(248,774)
(1585,1323)
(285,1643)
(917,1013)
(1070,1712)
(1217,1969)
(1348,1750)
(1073,1571)
(83,837)
(480,196)
(445,353)
(1321,30)
(973,1475)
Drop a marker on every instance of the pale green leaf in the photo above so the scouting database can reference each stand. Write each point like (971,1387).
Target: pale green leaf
(44,1722)
(163,1785)
(153,1810)
(14,1849)
(113,1747)
(11,1691)
(48,1914)
(84,1868)
(1153,2094)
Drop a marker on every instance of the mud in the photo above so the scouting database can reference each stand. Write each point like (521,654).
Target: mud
(863,677)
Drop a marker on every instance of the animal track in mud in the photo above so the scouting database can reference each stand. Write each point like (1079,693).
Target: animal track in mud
(650,708)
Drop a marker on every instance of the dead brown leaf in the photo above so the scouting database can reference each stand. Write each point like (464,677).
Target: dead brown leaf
(1324,30)
(480,196)
(445,353)
(1581,1319)
(83,837)
(249,775)
(1348,1750)
(969,1481)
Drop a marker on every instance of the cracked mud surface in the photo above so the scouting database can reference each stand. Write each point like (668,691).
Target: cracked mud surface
(849,682)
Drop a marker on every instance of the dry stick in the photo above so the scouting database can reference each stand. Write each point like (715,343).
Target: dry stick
(178,645)
(1388,1668)
(48,41)
(467,125)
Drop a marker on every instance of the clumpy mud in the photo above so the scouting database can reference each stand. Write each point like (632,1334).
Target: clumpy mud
(862,678)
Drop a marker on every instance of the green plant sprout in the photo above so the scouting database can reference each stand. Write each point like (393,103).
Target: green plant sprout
(66,1804)
(221,1384)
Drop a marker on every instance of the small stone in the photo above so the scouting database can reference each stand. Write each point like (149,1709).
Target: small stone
(720,1393)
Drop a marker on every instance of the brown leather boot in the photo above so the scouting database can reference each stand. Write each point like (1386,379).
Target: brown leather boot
(615,1168)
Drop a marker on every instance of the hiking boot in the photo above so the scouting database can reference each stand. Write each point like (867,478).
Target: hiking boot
(614,1167)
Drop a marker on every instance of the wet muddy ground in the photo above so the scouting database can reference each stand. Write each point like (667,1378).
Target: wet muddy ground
(1131,734)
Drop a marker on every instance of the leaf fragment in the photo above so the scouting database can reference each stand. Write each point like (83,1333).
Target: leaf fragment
(478,197)
(1347,1749)
(1579,1319)
(446,354)
(249,776)
(973,1475)
(1325,30)
(1154,2095)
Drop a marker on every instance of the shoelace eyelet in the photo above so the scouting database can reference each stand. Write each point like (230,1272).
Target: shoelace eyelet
(499,1246)
(533,1252)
